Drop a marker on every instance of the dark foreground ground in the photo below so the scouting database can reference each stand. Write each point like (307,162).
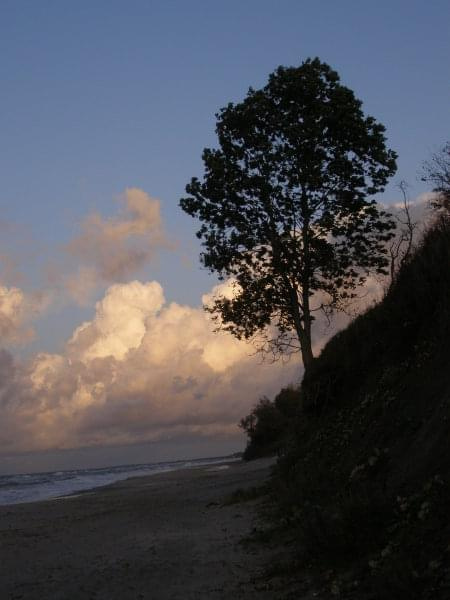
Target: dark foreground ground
(173,535)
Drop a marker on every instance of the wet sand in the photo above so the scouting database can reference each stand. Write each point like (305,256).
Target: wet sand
(157,537)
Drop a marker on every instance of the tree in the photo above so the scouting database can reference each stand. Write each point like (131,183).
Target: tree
(401,247)
(284,205)
(267,425)
(437,172)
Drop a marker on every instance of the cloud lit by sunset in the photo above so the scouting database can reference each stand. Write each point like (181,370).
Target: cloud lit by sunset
(140,368)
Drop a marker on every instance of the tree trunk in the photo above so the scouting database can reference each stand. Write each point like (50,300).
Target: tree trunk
(305,340)
(306,346)
(304,337)
(302,329)
(307,354)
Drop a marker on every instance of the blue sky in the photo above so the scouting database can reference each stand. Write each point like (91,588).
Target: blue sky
(101,96)
(98,96)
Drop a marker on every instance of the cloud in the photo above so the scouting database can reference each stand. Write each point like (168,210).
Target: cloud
(16,310)
(113,249)
(120,321)
(80,284)
(140,370)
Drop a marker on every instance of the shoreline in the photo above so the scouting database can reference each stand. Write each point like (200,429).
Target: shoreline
(99,488)
(116,474)
(159,536)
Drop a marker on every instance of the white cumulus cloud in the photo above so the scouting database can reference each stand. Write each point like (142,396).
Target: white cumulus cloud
(140,370)
(120,321)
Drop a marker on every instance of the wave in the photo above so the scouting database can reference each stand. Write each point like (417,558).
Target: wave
(32,487)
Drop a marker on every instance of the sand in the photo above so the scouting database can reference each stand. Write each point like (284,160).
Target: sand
(156,537)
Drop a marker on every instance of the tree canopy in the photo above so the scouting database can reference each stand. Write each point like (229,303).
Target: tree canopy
(286,204)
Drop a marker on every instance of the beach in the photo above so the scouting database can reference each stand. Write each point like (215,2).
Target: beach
(172,535)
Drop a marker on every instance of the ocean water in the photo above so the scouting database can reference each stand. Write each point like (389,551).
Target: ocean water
(16,489)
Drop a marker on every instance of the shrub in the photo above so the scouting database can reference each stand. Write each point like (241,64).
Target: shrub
(268,423)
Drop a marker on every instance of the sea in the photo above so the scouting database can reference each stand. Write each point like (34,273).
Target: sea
(16,489)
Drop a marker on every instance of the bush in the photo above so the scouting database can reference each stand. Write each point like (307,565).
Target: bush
(268,423)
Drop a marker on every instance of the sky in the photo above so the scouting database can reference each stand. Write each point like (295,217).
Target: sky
(105,108)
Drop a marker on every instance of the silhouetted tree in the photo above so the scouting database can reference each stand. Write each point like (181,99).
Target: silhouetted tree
(437,172)
(285,205)
(401,247)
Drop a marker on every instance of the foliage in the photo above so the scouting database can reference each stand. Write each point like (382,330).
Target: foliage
(286,207)
(268,422)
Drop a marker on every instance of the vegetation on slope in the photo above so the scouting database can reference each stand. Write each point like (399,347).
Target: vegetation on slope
(362,484)
(268,424)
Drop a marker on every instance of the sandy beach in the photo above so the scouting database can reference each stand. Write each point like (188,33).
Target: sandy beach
(170,535)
